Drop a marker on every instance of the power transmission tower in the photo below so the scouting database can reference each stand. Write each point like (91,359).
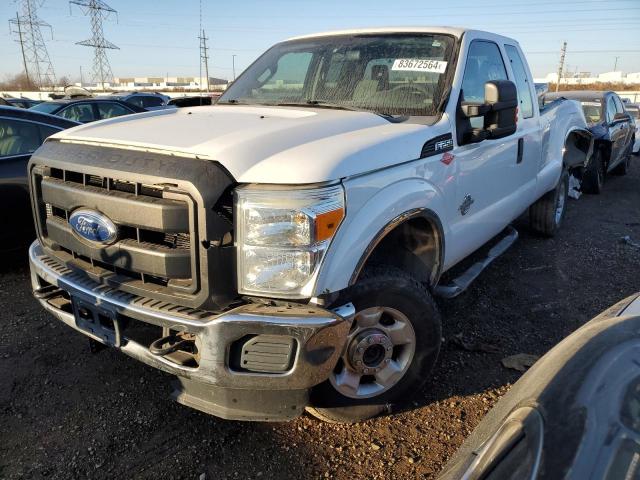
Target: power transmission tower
(563,52)
(204,57)
(98,11)
(35,57)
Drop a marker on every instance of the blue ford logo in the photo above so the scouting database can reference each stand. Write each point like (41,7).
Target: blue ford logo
(93,226)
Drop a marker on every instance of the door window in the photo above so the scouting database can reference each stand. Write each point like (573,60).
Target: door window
(619,107)
(110,110)
(522,81)
(611,109)
(18,137)
(484,63)
(80,112)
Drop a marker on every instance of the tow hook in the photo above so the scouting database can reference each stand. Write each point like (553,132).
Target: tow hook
(172,343)
(95,346)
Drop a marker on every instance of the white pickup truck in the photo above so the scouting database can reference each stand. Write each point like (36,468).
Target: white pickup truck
(279,251)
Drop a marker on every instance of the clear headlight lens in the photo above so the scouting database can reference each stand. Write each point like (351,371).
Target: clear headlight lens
(282,235)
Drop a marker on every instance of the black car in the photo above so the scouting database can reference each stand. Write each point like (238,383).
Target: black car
(613,131)
(194,101)
(89,109)
(146,100)
(21,133)
(22,102)
(574,415)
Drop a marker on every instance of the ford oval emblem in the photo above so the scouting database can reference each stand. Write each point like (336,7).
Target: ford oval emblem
(92,226)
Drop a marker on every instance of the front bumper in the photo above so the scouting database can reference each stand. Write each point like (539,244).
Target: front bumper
(214,383)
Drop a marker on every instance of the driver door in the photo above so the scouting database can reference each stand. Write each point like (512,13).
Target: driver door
(487,178)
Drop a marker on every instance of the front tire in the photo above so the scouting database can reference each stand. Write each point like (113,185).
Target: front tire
(546,215)
(392,346)
(593,180)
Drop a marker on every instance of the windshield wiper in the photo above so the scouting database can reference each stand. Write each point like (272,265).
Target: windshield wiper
(339,106)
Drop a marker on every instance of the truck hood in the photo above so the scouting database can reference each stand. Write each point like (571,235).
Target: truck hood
(268,144)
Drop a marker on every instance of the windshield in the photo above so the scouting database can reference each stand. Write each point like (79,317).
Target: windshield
(385,74)
(592,111)
(46,107)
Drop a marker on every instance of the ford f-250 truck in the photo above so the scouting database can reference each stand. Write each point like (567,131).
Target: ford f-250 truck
(279,250)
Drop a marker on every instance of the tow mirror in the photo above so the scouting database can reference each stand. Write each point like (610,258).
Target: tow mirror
(499,112)
(619,117)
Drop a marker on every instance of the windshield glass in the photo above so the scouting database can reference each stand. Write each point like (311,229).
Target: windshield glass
(46,107)
(385,74)
(592,111)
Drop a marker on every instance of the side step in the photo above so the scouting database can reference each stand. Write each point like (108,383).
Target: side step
(460,284)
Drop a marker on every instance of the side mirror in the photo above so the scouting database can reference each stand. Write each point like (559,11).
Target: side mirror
(619,117)
(499,111)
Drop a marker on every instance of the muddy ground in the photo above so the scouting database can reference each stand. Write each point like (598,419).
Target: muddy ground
(67,413)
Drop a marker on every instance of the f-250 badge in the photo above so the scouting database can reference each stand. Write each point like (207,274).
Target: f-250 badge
(466,204)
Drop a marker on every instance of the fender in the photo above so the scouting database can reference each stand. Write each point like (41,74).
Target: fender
(566,117)
(370,219)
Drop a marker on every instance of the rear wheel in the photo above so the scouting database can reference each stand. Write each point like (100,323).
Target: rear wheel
(593,179)
(546,215)
(392,346)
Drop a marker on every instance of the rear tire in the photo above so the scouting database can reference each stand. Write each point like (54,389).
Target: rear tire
(593,180)
(392,347)
(546,215)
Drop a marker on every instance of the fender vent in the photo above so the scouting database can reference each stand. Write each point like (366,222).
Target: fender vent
(268,353)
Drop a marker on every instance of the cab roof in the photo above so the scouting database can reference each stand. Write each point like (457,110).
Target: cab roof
(455,31)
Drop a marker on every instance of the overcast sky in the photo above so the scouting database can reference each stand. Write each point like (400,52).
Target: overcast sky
(159,37)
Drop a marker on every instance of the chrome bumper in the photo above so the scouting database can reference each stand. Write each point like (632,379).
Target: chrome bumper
(318,334)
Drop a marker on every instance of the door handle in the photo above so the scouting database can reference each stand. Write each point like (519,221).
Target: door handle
(520,149)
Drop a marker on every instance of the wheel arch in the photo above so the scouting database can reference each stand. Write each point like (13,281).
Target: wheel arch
(578,149)
(413,241)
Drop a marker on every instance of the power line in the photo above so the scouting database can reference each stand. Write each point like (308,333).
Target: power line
(35,57)
(98,11)
(563,52)
(204,57)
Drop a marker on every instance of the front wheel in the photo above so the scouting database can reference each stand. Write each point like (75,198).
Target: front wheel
(546,215)
(391,348)
(593,180)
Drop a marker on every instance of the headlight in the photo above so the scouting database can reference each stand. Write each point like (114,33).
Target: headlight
(282,236)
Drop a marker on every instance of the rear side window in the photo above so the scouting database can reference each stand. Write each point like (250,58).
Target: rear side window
(110,110)
(522,81)
(484,63)
(18,137)
(81,112)
(151,101)
(47,132)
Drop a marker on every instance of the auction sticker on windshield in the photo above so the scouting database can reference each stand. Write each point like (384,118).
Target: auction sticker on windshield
(419,65)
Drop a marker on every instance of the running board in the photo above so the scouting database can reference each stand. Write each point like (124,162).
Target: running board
(460,284)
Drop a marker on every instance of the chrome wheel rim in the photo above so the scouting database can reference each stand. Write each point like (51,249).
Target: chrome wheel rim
(560,202)
(379,350)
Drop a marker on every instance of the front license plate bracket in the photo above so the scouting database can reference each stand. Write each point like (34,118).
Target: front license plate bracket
(97,321)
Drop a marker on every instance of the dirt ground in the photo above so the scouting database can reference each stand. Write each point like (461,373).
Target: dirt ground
(67,413)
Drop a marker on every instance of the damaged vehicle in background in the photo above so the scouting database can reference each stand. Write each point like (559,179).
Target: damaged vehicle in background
(574,415)
(634,110)
(614,132)
(280,250)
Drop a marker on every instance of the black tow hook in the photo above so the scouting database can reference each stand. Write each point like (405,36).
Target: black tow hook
(171,343)
(96,346)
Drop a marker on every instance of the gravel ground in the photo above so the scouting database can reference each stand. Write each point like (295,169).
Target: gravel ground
(67,413)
